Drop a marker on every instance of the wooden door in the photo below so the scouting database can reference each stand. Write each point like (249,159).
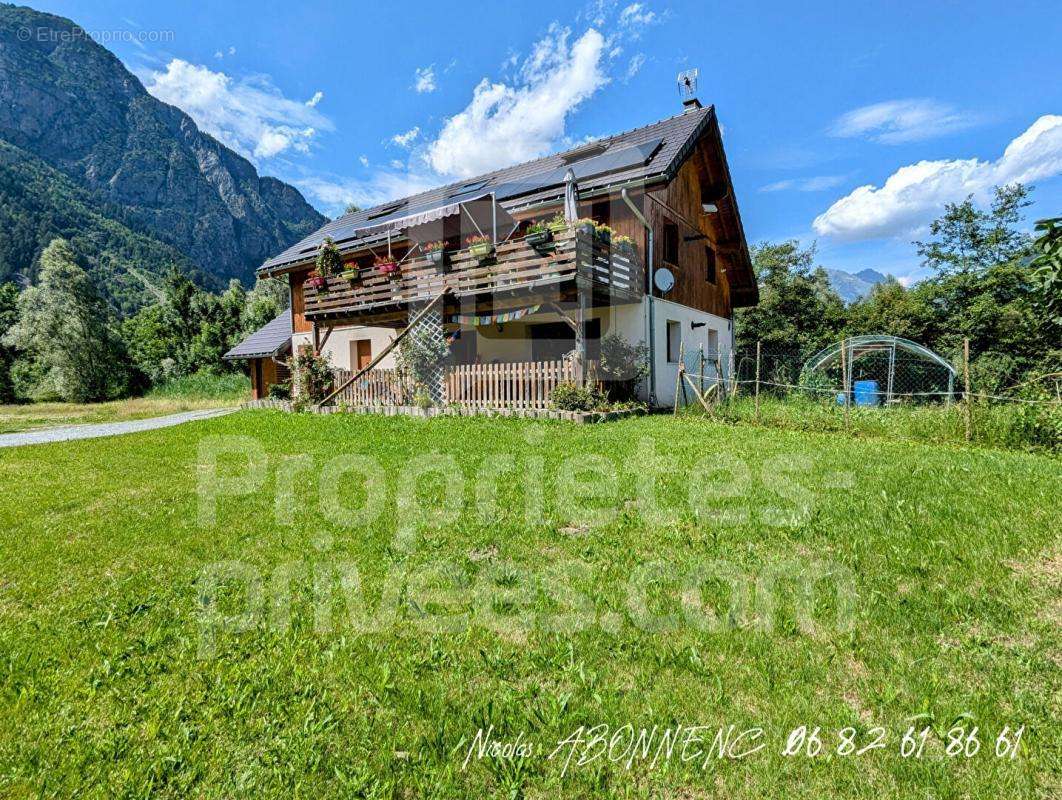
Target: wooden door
(360,354)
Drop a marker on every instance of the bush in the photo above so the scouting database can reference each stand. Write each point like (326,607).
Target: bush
(280,391)
(569,397)
(312,374)
(623,365)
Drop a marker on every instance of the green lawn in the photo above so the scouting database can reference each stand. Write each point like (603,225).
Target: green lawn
(933,577)
(187,394)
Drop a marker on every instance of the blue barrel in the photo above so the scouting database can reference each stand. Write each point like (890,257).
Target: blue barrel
(865,393)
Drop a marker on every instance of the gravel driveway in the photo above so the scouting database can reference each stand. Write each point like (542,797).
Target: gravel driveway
(96,430)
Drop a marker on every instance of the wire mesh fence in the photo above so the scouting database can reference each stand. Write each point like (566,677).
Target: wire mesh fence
(877,385)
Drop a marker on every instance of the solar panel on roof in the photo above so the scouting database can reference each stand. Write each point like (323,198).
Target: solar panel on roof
(468,188)
(609,161)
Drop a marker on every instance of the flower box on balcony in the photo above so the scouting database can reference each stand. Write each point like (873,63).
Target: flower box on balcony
(538,238)
(318,282)
(437,256)
(480,247)
(558,225)
(351,275)
(387,267)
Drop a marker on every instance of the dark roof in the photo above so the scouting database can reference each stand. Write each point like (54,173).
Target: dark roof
(663,147)
(271,339)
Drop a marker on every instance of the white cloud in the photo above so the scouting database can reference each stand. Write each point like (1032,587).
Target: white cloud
(424,81)
(817,183)
(364,160)
(506,124)
(898,121)
(635,65)
(407,138)
(232,51)
(637,16)
(317,97)
(249,115)
(218,54)
(334,193)
(915,194)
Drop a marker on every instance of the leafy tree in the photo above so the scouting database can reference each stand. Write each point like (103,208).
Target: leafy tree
(798,309)
(352,208)
(64,333)
(268,299)
(8,317)
(1048,265)
(967,239)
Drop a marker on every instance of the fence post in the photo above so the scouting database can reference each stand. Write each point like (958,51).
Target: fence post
(844,380)
(968,404)
(757,381)
(700,372)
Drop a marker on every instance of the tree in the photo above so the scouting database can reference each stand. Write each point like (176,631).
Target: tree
(1048,265)
(269,297)
(64,333)
(968,239)
(8,317)
(798,309)
(352,208)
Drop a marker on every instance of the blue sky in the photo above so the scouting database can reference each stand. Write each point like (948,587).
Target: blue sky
(846,124)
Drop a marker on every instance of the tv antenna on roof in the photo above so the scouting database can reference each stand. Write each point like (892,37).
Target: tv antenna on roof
(687,83)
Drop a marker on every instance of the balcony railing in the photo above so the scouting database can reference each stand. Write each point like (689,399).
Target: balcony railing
(514,265)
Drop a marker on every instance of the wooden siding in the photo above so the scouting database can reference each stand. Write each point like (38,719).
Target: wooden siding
(299,323)
(680,202)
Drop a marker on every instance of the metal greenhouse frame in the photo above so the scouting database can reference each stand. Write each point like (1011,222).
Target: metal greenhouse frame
(857,346)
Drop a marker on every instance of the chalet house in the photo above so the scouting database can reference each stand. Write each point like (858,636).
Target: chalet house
(522,309)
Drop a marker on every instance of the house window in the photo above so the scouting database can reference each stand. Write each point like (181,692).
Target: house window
(713,343)
(674,339)
(671,243)
(709,260)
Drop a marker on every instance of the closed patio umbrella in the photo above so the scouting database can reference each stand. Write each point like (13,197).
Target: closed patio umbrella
(571,191)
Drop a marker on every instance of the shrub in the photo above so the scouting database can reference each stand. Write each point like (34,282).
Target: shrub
(569,397)
(280,391)
(312,374)
(623,365)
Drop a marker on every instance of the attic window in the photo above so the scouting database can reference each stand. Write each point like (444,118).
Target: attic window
(595,149)
(383,212)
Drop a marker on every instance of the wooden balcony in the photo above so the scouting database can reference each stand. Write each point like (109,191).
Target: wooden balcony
(573,258)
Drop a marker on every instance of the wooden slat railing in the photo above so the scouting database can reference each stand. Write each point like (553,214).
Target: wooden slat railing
(523,384)
(516,265)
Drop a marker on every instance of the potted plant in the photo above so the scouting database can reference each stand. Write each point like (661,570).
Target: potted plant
(538,234)
(603,233)
(317,282)
(351,273)
(585,225)
(435,252)
(557,225)
(479,246)
(624,244)
(386,266)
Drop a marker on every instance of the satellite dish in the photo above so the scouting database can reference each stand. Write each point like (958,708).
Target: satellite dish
(664,279)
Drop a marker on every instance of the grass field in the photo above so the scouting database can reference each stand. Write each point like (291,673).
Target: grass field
(670,571)
(186,394)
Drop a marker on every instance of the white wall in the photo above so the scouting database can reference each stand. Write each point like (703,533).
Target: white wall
(692,340)
(337,348)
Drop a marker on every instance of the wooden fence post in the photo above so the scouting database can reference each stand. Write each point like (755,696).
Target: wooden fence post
(844,380)
(968,404)
(757,381)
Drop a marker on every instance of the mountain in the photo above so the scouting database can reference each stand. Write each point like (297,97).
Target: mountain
(133,177)
(852,286)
